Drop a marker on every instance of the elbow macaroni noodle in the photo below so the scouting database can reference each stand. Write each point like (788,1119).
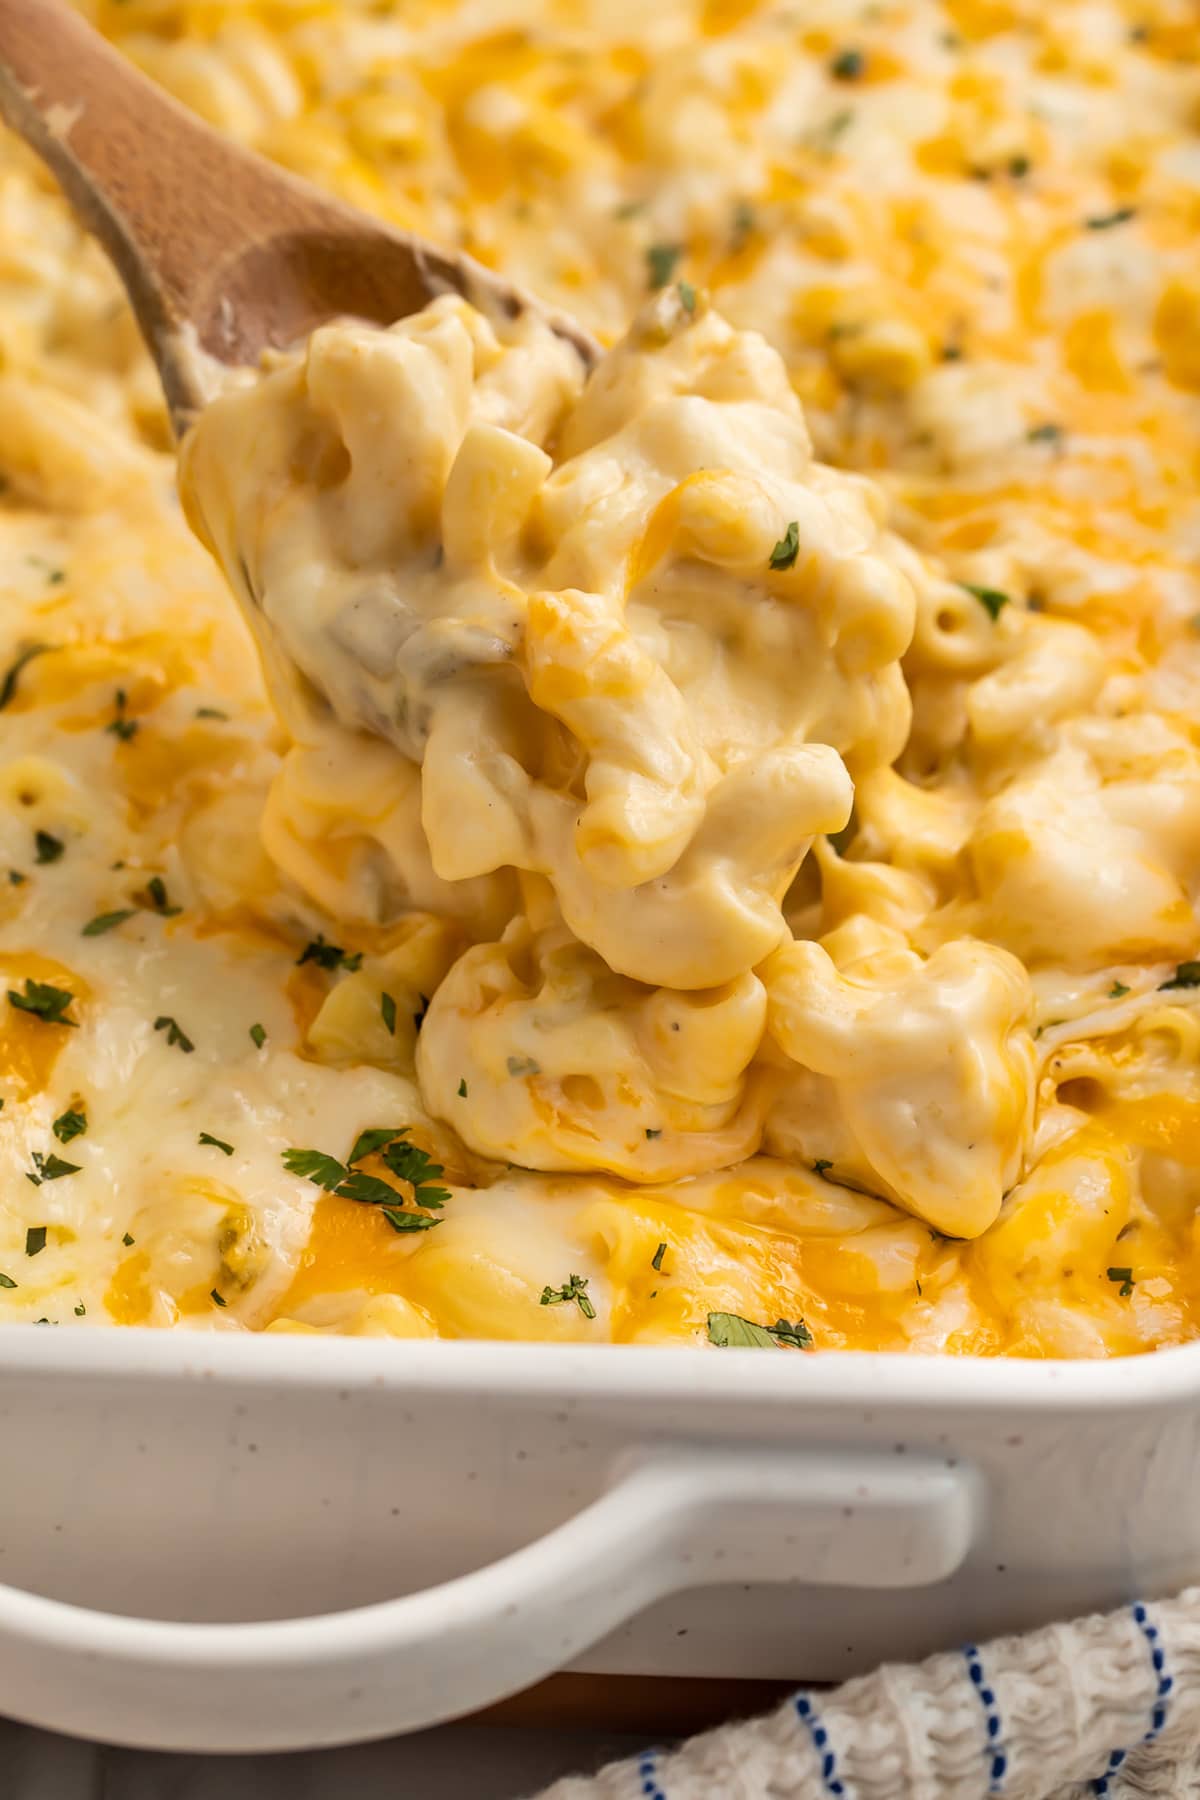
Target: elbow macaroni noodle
(738,817)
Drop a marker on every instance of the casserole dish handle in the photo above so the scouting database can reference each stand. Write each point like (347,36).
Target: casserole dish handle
(675,1519)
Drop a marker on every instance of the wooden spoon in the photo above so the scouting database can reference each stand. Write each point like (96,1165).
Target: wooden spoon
(222,254)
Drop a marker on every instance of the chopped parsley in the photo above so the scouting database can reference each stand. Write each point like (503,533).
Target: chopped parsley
(783,556)
(127,1240)
(729,1331)
(371,1142)
(848,65)
(687,296)
(367,1189)
(68,1125)
(795,1337)
(1187,975)
(16,879)
(408,1221)
(176,1038)
(462,1087)
(313,1165)
(6,1281)
(656,1259)
(35,1240)
(80,1310)
(820,1166)
(159,902)
(661,263)
(1117,991)
(523,1065)
(1018,167)
(47,848)
(654,1131)
(1049,433)
(120,726)
(407,1162)
(107,921)
(992,599)
(44,1001)
(218,1299)
(258,1035)
(49,1168)
(744,222)
(210,712)
(1125,1277)
(12,675)
(387,1010)
(573,1289)
(217,1143)
(328,956)
(1105,221)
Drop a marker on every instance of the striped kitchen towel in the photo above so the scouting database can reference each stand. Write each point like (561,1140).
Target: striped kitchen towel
(1105,1706)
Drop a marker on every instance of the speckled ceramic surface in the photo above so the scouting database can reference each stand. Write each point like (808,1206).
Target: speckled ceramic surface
(281,1544)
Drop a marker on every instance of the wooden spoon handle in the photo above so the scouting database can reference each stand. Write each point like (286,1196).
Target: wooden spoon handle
(172,202)
(222,253)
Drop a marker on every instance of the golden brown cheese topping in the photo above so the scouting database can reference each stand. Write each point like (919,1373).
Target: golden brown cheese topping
(730,847)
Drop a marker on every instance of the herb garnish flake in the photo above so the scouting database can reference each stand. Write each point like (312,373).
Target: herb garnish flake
(105,922)
(661,262)
(575,1288)
(176,1037)
(993,600)
(328,956)
(729,1331)
(784,555)
(70,1124)
(12,676)
(44,1001)
(49,1168)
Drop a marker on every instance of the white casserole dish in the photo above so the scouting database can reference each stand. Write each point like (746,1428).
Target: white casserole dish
(215,1543)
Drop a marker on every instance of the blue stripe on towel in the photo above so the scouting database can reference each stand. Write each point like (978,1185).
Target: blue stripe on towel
(810,1718)
(994,1751)
(1164,1682)
(647,1769)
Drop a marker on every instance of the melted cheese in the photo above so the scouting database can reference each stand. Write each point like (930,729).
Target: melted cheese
(741,932)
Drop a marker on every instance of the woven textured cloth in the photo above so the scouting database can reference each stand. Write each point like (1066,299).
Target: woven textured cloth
(1108,1705)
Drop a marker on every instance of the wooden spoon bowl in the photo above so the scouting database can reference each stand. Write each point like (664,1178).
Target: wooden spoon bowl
(223,254)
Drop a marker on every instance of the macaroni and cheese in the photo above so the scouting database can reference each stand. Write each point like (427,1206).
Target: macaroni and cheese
(706,852)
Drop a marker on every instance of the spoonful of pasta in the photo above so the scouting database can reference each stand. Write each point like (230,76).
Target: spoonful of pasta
(223,255)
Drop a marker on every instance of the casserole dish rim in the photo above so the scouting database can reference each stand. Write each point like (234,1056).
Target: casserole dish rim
(1167,1376)
(880,1470)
